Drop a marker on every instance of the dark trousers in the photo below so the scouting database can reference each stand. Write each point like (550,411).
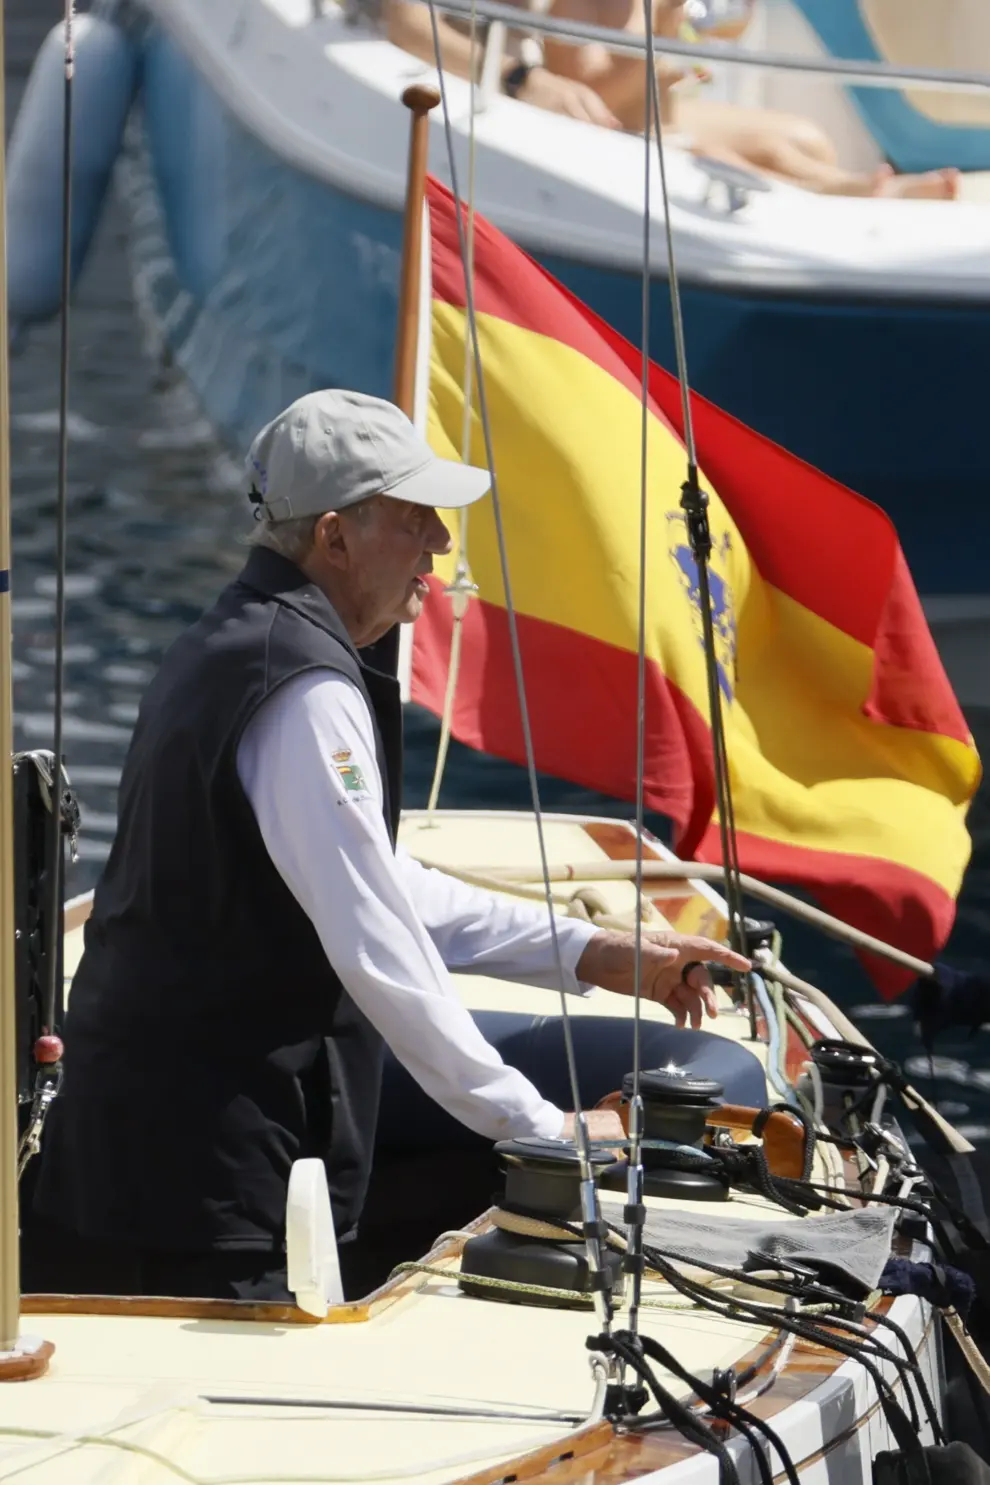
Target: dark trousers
(56,1261)
(410,1121)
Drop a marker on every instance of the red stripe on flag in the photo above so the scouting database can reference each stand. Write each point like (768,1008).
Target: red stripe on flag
(910,688)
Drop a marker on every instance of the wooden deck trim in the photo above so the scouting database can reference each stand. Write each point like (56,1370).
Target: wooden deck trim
(247,1311)
(576,1455)
(25,1366)
(164,1308)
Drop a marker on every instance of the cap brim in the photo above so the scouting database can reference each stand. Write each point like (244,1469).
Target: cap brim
(443,483)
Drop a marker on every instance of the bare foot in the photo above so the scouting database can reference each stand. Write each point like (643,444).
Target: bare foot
(934,185)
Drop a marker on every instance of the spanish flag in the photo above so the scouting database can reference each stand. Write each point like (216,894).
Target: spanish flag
(851,764)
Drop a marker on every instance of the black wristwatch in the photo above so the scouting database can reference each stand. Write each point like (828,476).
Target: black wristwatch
(516,77)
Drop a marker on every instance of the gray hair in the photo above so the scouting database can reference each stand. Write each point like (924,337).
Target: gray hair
(290,539)
(293,539)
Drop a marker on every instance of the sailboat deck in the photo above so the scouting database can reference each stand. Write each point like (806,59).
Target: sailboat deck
(431,1346)
(154,1391)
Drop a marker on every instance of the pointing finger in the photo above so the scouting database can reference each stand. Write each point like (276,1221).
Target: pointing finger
(719,954)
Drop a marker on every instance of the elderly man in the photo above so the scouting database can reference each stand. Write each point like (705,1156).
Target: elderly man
(256,935)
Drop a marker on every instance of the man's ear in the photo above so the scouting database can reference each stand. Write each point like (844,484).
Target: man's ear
(330,540)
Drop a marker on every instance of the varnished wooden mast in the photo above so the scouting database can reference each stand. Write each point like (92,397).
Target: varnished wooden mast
(10,1285)
(419,99)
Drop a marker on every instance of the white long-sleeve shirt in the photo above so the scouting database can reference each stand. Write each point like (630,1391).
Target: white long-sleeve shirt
(392,928)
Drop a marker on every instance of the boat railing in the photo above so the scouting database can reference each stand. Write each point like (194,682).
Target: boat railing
(862,74)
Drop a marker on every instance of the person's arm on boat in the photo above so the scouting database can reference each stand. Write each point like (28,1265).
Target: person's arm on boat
(619,80)
(326,835)
(481,932)
(408,25)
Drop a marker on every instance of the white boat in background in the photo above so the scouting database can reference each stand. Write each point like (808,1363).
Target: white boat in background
(264,168)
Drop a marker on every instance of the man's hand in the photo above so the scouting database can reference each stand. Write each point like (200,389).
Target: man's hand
(673,971)
(603,1124)
(545,89)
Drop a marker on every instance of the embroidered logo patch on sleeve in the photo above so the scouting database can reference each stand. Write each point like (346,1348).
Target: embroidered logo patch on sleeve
(350,775)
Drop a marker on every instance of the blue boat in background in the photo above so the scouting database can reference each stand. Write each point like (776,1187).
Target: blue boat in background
(260,145)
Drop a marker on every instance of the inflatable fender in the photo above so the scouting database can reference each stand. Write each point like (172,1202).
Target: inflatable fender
(107,72)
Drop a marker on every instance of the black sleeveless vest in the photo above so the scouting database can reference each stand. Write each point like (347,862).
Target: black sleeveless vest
(208,1042)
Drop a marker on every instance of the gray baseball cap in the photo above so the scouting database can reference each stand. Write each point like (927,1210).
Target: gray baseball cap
(333,448)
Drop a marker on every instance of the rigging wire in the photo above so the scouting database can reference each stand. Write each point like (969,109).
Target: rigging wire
(48,1049)
(694,503)
(591,1222)
(636,1210)
(61,522)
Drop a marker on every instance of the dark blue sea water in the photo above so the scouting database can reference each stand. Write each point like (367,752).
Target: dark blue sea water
(155,528)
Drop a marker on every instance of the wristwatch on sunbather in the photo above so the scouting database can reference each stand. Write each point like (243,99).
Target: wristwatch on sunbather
(515,78)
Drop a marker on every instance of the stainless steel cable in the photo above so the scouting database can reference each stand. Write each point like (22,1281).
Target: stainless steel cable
(61,522)
(634,1185)
(694,502)
(589,1199)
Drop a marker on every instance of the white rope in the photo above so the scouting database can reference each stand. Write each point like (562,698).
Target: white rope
(508,879)
(974,1359)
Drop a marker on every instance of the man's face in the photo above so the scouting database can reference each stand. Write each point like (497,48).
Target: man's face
(391,545)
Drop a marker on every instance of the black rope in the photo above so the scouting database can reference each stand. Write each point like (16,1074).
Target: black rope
(866,1348)
(629,1348)
(721,1406)
(803,1287)
(694,502)
(746,1165)
(726,1408)
(794,1111)
(61,521)
(927,1401)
